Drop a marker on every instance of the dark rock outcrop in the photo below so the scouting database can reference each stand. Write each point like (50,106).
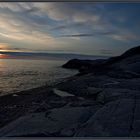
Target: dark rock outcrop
(131,52)
(76,64)
(83,65)
(126,65)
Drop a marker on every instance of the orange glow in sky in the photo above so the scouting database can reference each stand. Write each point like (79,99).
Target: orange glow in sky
(3,46)
(8,50)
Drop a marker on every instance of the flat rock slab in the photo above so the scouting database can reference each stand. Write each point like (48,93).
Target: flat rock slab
(59,122)
(136,119)
(62,93)
(117,118)
(114,119)
(111,94)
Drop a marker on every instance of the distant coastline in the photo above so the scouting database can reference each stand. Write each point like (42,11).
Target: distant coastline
(55,56)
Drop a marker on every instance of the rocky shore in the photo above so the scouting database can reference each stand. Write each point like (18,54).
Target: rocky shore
(103,100)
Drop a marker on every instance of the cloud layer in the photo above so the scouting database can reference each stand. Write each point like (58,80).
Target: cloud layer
(69,26)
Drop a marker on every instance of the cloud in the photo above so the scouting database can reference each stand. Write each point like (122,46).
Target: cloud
(13,7)
(68,12)
(60,24)
(125,36)
(88,34)
(4,46)
(9,47)
(16,25)
(69,26)
(60,27)
(77,35)
(106,52)
(29,17)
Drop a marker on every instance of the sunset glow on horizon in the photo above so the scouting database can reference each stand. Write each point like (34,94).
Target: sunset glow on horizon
(4,56)
(83,28)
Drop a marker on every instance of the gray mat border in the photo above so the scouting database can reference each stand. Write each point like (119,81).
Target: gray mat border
(106,1)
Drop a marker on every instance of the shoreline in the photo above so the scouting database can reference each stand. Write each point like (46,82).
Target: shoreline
(53,84)
(92,103)
(10,103)
(25,101)
(23,77)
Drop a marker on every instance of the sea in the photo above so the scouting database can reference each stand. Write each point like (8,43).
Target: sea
(19,74)
(23,74)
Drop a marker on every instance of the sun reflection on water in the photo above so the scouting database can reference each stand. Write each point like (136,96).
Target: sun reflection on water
(3,56)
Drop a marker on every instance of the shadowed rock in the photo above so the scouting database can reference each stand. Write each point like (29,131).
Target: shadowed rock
(59,122)
(103,101)
(128,61)
(131,52)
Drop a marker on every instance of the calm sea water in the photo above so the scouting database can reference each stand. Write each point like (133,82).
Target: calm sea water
(17,74)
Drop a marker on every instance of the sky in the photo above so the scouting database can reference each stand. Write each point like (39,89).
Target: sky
(65,27)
